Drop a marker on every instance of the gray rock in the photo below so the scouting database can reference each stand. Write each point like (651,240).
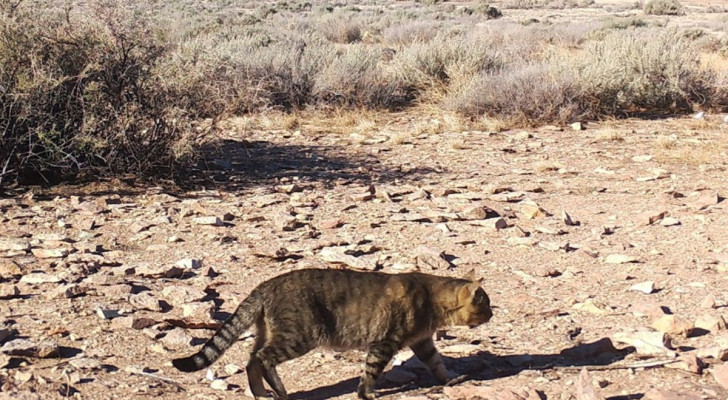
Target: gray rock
(145,301)
(28,348)
(431,258)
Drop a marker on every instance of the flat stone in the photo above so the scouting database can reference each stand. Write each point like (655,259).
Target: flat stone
(688,362)
(50,253)
(646,287)
(7,290)
(176,338)
(183,294)
(646,343)
(28,348)
(286,222)
(105,313)
(145,301)
(38,278)
(620,259)
(336,255)
(532,211)
(219,384)
(591,306)
(431,258)
(702,199)
(189,263)
(710,322)
(232,369)
(669,221)
(132,322)
(673,325)
(212,221)
(160,271)
(67,291)
(651,216)
(7,244)
(330,224)
(200,311)
(492,224)
(460,348)
(720,374)
(9,268)
(642,158)
(478,212)
(647,309)
(585,388)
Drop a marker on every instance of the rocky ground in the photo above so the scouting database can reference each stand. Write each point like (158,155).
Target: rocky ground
(605,251)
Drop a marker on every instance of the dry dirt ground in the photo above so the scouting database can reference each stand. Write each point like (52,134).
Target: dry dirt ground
(89,278)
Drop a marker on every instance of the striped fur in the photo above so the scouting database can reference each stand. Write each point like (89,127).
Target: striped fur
(301,310)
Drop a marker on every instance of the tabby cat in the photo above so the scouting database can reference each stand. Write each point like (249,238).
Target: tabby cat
(301,310)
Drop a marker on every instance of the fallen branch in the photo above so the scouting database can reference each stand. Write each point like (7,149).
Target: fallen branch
(644,364)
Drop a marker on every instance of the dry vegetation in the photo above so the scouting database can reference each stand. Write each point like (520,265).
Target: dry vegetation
(98,88)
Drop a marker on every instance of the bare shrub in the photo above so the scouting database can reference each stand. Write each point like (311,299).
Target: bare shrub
(663,7)
(79,96)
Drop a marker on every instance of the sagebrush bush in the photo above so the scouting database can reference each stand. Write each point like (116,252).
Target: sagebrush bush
(651,72)
(79,95)
(528,94)
(411,32)
(548,4)
(357,78)
(663,7)
(339,29)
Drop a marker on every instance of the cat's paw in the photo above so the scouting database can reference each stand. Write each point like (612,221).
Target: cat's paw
(445,375)
(365,394)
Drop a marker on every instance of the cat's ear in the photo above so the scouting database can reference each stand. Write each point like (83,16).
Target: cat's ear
(467,292)
(472,277)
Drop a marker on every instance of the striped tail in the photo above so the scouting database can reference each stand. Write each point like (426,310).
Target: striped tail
(244,316)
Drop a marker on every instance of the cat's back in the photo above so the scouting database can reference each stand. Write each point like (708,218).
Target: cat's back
(345,308)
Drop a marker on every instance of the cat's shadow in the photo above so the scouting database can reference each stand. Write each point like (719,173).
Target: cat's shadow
(480,366)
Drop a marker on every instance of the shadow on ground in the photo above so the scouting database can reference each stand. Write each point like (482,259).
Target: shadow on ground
(235,165)
(483,366)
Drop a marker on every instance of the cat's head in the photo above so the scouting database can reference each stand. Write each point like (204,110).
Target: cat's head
(472,303)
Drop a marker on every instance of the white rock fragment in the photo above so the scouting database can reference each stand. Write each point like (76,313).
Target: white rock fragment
(646,287)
